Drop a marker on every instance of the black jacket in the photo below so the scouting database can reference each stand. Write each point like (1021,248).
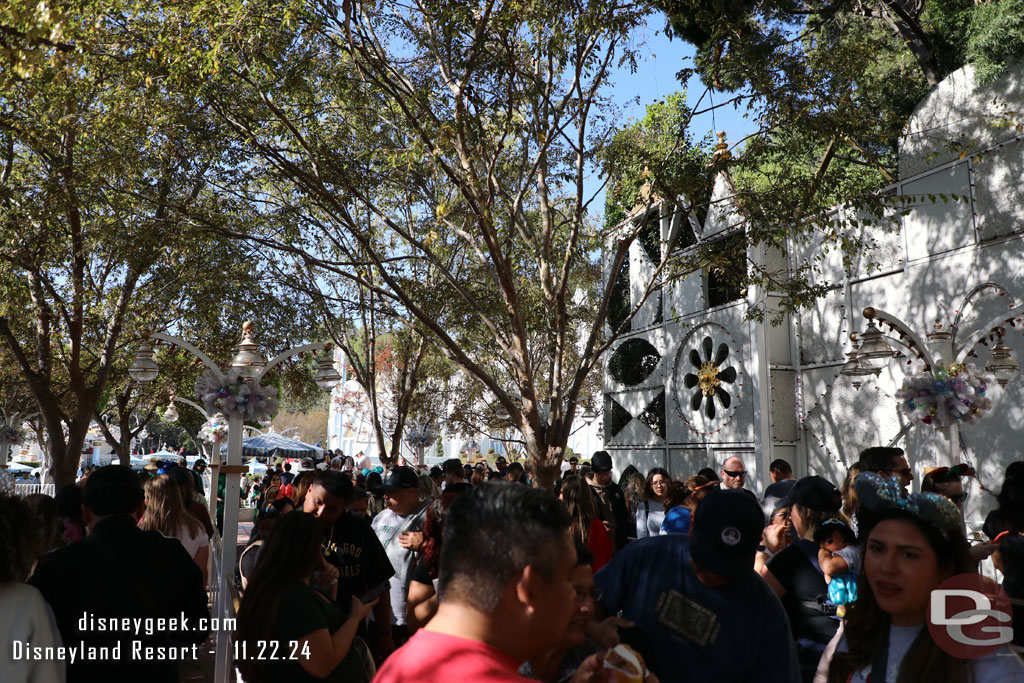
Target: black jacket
(611,506)
(119,571)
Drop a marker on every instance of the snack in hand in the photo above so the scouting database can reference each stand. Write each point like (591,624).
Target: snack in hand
(626,664)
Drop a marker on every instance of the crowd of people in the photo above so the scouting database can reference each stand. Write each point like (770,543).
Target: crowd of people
(468,572)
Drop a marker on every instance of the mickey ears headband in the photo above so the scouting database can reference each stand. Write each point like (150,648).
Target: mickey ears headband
(878,494)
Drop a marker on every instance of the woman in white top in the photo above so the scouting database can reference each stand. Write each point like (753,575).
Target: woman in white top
(650,513)
(166,513)
(912,544)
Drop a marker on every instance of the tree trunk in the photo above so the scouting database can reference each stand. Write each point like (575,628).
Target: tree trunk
(907,26)
(66,460)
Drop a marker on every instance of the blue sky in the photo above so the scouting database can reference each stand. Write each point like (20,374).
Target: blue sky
(661,59)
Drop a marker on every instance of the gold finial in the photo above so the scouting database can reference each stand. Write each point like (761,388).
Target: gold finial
(722,152)
(248,327)
(870,312)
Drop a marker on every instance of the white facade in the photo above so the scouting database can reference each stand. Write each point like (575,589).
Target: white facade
(349,428)
(788,399)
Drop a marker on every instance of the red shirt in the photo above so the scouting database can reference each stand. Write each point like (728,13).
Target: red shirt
(431,657)
(600,544)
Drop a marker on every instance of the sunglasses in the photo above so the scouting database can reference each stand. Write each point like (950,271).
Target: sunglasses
(741,473)
(958,498)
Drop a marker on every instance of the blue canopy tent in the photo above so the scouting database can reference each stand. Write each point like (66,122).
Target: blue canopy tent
(273,445)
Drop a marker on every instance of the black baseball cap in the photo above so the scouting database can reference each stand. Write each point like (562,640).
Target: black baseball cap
(453,465)
(601,462)
(400,478)
(727,527)
(814,493)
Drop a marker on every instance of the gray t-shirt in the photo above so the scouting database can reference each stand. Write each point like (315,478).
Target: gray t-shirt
(649,516)
(851,554)
(388,526)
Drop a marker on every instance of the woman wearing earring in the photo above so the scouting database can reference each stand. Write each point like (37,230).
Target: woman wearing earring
(911,545)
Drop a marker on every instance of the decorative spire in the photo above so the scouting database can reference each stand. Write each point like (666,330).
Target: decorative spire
(722,152)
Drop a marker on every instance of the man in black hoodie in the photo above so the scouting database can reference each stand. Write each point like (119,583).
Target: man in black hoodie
(611,503)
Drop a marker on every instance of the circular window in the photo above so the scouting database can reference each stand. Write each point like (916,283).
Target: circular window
(707,378)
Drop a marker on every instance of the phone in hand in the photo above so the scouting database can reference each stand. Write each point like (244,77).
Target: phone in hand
(373,593)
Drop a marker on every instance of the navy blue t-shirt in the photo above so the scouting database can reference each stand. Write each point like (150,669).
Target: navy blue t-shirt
(689,632)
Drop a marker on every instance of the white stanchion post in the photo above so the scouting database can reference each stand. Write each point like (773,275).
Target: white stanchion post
(229,540)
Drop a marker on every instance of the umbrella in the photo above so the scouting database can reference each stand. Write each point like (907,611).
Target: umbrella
(18,467)
(138,461)
(276,446)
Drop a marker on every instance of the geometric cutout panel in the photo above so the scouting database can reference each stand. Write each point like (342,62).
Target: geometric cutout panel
(620,417)
(619,306)
(654,415)
(635,433)
(649,236)
(633,362)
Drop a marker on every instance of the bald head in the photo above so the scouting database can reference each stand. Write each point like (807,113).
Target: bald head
(734,473)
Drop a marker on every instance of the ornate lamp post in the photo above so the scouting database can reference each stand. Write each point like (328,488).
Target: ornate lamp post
(239,394)
(588,416)
(944,360)
(420,436)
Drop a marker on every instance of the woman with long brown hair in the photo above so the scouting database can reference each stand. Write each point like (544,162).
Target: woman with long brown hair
(912,544)
(797,578)
(281,609)
(650,510)
(166,513)
(586,525)
(681,502)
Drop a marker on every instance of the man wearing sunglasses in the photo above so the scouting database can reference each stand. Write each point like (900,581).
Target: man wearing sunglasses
(887,462)
(734,473)
(948,482)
